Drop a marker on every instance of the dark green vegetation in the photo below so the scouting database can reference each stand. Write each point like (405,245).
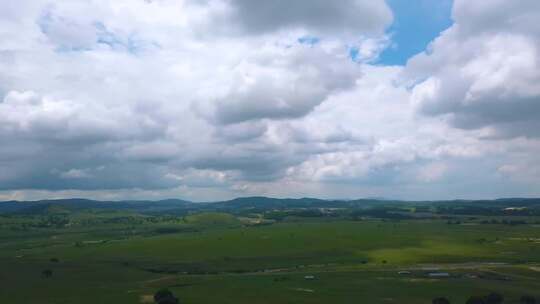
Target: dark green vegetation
(261,250)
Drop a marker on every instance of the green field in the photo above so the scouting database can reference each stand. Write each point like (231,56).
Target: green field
(217,258)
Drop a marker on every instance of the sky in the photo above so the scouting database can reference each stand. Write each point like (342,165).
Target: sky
(214,99)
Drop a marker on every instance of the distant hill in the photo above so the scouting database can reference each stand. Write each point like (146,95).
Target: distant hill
(63,206)
(306,202)
(268,202)
(75,204)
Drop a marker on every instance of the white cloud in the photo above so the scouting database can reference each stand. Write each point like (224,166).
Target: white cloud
(484,71)
(432,172)
(344,17)
(27,114)
(216,98)
(279,82)
(75,173)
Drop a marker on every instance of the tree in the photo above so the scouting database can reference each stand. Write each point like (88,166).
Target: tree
(476,300)
(527,300)
(494,298)
(165,296)
(162,294)
(171,300)
(440,300)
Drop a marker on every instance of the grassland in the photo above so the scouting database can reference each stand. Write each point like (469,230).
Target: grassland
(217,258)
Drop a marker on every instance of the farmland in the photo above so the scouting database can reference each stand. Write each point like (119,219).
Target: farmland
(243,254)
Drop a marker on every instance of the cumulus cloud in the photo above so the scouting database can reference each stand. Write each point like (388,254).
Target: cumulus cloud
(27,114)
(484,71)
(278,82)
(432,172)
(317,15)
(100,84)
(76,173)
(209,99)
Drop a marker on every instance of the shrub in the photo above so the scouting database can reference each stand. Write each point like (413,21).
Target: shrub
(440,301)
(476,300)
(165,296)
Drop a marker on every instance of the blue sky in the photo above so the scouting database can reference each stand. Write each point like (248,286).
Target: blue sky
(416,24)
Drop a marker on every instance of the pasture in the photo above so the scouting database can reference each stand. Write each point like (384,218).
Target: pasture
(213,258)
